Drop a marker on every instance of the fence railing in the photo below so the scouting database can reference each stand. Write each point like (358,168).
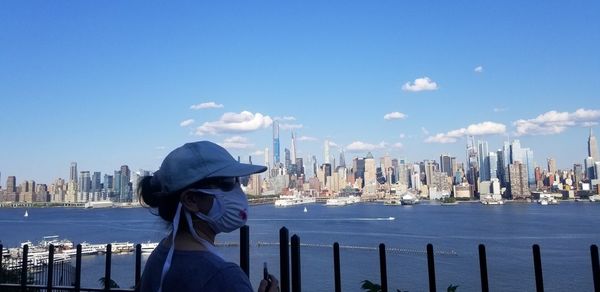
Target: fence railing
(290,267)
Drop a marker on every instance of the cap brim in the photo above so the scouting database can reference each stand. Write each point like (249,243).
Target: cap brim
(238,169)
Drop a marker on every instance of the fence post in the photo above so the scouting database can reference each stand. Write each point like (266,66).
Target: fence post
(138,266)
(537,265)
(483,269)
(78,269)
(24,264)
(431,267)
(245,249)
(336,267)
(595,267)
(383,268)
(284,259)
(296,266)
(1,256)
(50,267)
(107,267)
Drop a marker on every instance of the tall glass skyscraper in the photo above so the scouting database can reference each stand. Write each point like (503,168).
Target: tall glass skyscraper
(276,159)
(484,163)
(593,147)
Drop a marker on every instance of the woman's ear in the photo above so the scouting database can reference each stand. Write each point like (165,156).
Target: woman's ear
(196,203)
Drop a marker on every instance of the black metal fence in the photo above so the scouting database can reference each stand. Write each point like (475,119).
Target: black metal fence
(290,268)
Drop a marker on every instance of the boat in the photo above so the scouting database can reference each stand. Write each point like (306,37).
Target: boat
(594,198)
(393,201)
(409,199)
(296,199)
(305,210)
(544,201)
(342,201)
(148,247)
(26,214)
(491,200)
(98,204)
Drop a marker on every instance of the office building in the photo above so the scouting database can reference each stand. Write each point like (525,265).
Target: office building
(593,147)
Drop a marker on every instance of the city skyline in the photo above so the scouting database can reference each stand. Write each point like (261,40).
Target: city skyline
(106,89)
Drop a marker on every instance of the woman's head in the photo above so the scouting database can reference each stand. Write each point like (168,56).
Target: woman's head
(194,169)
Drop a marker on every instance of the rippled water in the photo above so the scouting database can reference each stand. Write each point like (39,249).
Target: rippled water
(564,233)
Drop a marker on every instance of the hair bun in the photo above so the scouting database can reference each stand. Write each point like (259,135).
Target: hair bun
(150,191)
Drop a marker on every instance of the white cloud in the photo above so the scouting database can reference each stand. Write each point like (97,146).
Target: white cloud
(332,144)
(478,69)
(236,142)
(425,131)
(554,122)
(257,152)
(420,84)
(359,146)
(397,145)
(235,123)
(402,136)
(499,109)
(307,138)
(485,128)
(394,116)
(206,105)
(286,127)
(186,123)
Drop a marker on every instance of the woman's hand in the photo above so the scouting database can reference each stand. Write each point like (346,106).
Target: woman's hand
(272,285)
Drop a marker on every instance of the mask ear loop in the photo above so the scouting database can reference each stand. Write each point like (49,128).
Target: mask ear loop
(209,246)
(167,264)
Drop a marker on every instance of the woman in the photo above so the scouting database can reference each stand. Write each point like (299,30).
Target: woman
(197,189)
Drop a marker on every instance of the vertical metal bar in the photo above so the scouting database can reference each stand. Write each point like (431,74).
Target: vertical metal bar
(595,267)
(431,268)
(50,267)
(284,259)
(296,266)
(336,267)
(138,266)
(78,269)
(107,267)
(24,268)
(383,268)
(1,256)
(483,269)
(537,265)
(245,249)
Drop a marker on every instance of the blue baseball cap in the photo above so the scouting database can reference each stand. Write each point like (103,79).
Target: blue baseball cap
(196,161)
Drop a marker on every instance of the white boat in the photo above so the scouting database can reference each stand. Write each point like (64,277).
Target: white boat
(547,201)
(294,200)
(393,201)
(26,214)
(148,247)
(594,198)
(99,204)
(305,210)
(342,201)
(409,199)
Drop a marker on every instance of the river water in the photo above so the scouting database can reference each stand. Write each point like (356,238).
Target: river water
(564,232)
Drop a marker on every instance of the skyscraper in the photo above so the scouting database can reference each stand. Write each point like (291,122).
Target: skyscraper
(530,164)
(519,186)
(293,146)
(588,164)
(11,185)
(342,159)
(492,162)
(73,174)
(551,165)
(593,147)
(275,143)
(515,152)
(484,166)
(446,164)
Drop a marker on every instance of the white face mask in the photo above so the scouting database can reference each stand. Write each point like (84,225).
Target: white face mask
(229,210)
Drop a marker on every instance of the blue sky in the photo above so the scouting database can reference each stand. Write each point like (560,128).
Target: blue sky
(109,83)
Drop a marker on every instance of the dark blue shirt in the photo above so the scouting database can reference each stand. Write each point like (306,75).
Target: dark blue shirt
(193,271)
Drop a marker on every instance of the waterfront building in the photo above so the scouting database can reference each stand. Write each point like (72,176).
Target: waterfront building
(519,186)
(593,147)
(501,167)
(11,185)
(516,153)
(275,143)
(71,196)
(125,191)
(530,164)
